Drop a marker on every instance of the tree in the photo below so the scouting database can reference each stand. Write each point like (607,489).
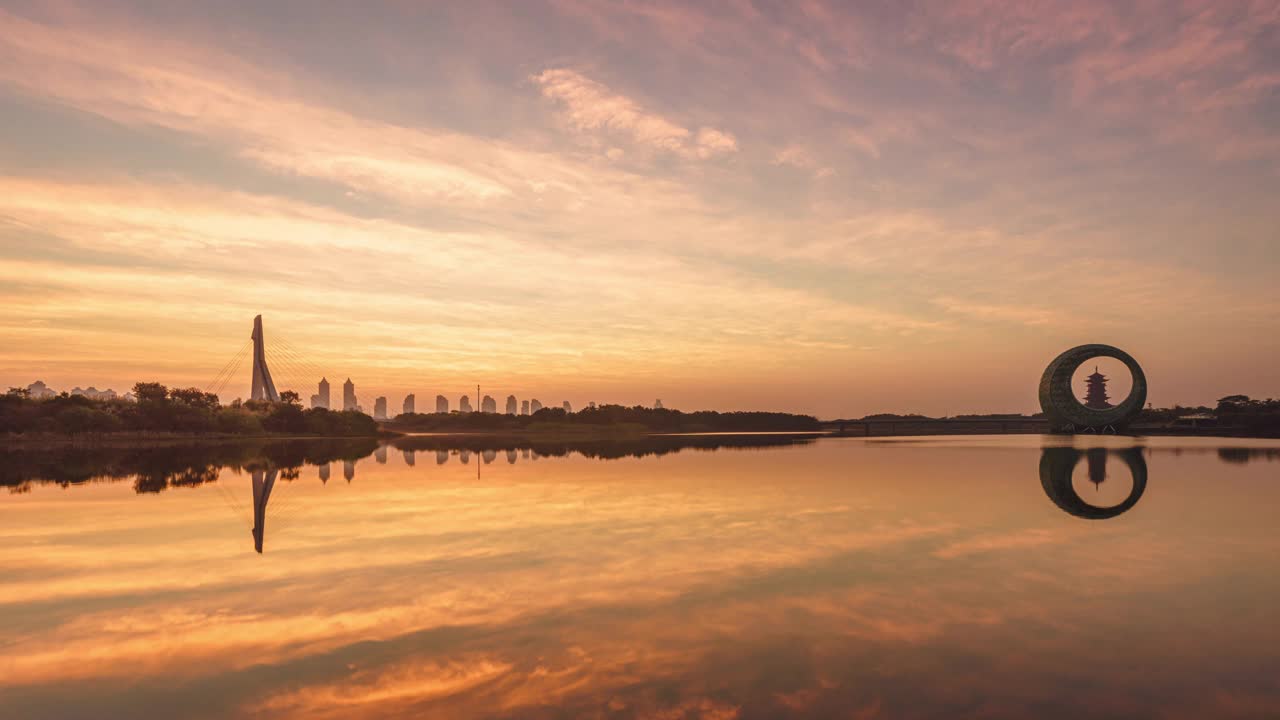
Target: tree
(289,397)
(195,397)
(151,392)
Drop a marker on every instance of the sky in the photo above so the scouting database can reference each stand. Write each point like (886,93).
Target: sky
(832,208)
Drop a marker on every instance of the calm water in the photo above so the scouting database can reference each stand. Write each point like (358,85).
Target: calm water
(773,577)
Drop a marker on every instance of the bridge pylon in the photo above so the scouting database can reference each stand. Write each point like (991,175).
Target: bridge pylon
(264,388)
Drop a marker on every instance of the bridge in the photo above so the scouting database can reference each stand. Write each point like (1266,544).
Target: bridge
(298,370)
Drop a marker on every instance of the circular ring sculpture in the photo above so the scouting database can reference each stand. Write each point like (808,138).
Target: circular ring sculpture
(1067,414)
(1056,466)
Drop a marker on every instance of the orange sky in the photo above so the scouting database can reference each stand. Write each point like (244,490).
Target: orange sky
(828,210)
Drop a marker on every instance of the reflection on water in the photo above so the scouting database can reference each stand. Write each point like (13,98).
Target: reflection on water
(764,577)
(1058,463)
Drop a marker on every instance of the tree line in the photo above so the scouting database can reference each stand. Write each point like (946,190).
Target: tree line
(616,417)
(187,411)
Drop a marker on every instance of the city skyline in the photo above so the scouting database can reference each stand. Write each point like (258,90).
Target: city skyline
(838,209)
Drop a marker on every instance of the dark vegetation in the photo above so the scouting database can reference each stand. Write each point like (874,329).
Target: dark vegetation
(1261,417)
(1236,415)
(616,418)
(182,411)
(157,467)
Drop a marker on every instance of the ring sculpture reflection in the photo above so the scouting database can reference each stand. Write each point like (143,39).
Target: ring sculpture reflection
(1066,414)
(1056,467)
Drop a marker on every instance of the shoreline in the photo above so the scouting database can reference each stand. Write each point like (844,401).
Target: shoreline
(859,429)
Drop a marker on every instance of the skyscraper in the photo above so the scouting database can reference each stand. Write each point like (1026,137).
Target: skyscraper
(409,402)
(380,408)
(349,395)
(464,404)
(488,404)
(534,406)
(511,405)
(321,398)
(442,404)
(524,407)
(567,407)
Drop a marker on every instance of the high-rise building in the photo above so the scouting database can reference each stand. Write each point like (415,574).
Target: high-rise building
(39,391)
(534,406)
(511,405)
(442,404)
(524,407)
(322,393)
(464,404)
(567,407)
(409,404)
(349,396)
(657,404)
(380,408)
(488,404)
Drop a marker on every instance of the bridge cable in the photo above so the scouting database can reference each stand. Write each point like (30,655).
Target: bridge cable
(227,367)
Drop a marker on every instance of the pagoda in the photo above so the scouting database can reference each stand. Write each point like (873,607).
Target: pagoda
(1096,396)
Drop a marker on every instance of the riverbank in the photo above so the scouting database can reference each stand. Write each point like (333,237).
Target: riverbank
(1018,426)
(38,441)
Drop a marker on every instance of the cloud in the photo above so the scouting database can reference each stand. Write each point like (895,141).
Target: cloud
(591,106)
(798,156)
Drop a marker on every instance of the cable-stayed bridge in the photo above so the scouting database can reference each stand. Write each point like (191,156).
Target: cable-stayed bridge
(291,364)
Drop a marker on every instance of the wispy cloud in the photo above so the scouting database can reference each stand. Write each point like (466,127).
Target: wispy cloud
(591,106)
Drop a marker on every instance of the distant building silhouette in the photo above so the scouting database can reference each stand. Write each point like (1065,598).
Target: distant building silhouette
(321,398)
(657,404)
(380,408)
(511,405)
(567,407)
(39,391)
(511,456)
(349,396)
(534,406)
(380,455)
(349,469)
(489,405)
(94,393)
(464,404)
(409,459)
(409,404)
(524,407)
(1096,396)
(488,455)
(591,405)
(442,404)
(442,457)
(324,472)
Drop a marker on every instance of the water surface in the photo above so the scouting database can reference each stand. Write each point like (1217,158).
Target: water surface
(772,577)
